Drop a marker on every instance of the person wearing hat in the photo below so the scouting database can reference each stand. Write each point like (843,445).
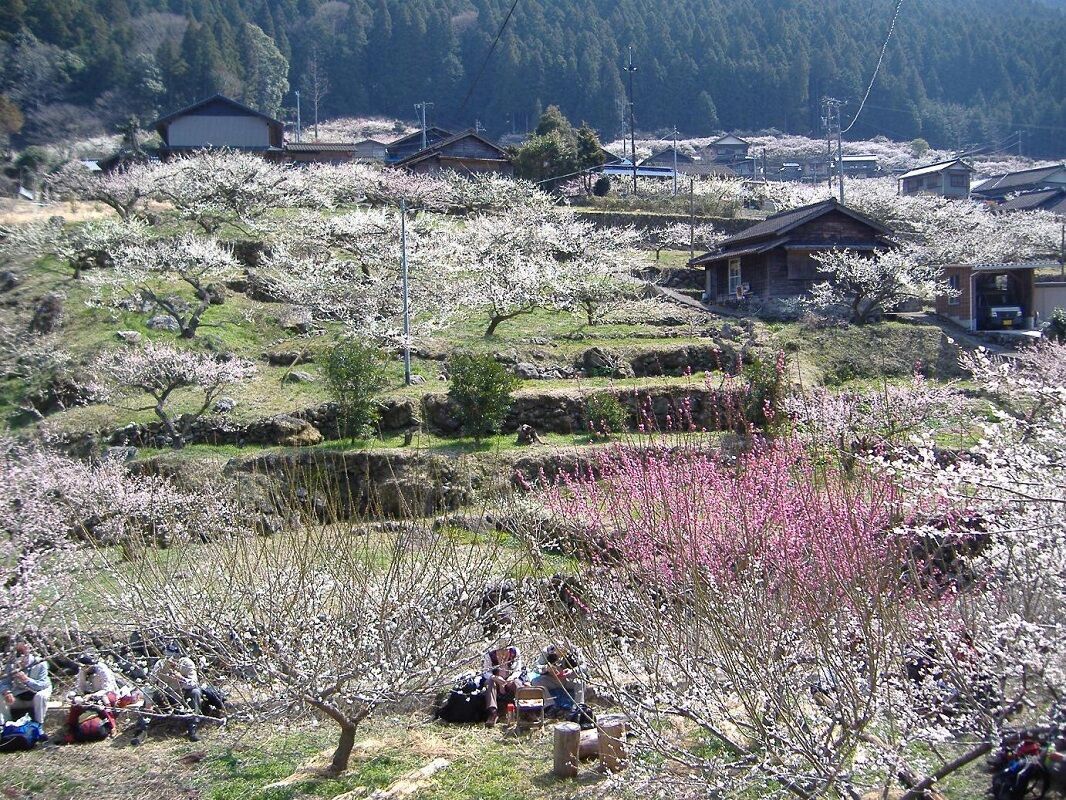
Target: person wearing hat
(172,681)
(25,684)
(96,682)
(561,671)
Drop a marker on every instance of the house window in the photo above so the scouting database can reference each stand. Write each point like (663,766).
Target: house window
(912,184)
(954,298)
(959,181)
(734,275)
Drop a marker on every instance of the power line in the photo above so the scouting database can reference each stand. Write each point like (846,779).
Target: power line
(485,63)
(877,68)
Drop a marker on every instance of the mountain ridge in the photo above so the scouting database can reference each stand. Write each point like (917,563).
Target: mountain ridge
(956,72)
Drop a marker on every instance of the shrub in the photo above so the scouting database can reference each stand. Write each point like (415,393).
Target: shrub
(1056,327)
(602,186)
(766,390)
(604,415)
(355,375)
(481,391)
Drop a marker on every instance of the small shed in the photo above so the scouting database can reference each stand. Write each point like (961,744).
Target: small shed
(860,166)
(371,150)
(990,296)
(666,158)
(319,152)
(219,122)
(944,178)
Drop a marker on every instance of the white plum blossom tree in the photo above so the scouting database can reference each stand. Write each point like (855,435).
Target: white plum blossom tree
(334,288)
(509,264)
(161,371)
(334,621)
(82,246)
(678,235)
(215,188)
(149,266)
(126,191)
(868,283)
(56,508)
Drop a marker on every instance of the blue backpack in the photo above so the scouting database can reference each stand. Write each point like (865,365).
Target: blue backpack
(20,737)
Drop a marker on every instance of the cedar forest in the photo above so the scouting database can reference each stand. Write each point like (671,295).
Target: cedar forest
(957,71)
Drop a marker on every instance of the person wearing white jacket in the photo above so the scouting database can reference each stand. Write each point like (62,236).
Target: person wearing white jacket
(25,684)
(95,681)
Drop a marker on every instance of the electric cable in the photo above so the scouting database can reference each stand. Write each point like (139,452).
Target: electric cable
(485,63)
(877,68)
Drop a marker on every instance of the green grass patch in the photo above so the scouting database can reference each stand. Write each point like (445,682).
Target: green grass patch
(836,356)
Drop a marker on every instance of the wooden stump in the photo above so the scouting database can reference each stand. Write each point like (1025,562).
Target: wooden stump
(612,728)
(567,742)
(590,745)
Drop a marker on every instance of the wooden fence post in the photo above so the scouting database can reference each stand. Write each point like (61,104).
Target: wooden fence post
(565,753)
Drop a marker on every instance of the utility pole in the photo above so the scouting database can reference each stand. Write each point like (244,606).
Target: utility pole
(675,161)
(632,130)
(298,128)
(832,108)
(406,296)
(691,217)
(421,107)
(1062,251)
(828,146)
(1019,142)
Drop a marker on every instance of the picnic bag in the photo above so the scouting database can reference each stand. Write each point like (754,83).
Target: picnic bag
(583,715)
(465,703)
(21,735)
(93,725)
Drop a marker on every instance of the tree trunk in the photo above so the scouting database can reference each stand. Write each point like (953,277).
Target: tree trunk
(342,755)
(176,439)
(492,326)
(188,330)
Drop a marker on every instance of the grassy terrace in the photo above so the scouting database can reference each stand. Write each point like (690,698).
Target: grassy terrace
(858,357)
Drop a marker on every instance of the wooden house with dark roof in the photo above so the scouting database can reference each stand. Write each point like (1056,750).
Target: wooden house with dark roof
(1000,187)
(219,122)
(406,146)
(773,259)
(729,148)
(665,158)
(1051,200)
(465,153)
(945,178)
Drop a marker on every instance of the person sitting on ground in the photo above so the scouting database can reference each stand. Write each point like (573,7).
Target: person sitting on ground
(95,690)
(25,684)
(96,683)
(172,683)
(561,671)
(503,675)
